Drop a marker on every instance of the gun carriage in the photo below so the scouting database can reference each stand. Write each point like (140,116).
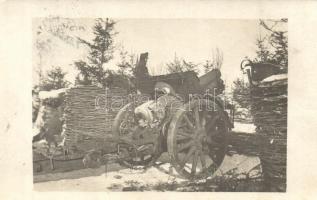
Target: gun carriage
(181,115)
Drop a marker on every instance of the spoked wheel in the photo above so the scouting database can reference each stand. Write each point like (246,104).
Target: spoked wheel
(197,139)
(135,154)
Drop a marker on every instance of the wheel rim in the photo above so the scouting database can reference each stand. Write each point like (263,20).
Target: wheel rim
(197,141)
(123,124)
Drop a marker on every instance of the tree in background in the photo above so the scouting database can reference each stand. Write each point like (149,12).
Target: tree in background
(125,76)
(100,52)
(53,80)
(216,62)
(48,31)
(180,65)
(273,47)
(263,54)
(127,63)
(208,66)
(242,100)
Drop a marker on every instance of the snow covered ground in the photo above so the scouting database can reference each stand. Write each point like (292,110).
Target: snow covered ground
(116,178)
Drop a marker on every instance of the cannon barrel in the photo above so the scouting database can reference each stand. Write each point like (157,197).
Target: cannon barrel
(211,80)
(183,83)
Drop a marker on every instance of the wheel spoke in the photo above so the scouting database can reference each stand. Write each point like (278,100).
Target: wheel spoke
(183,135)
(188,122)
(188,155)
(185,146)
(203,118)
(197,121)
(195,159)
(193,140)
(202,160)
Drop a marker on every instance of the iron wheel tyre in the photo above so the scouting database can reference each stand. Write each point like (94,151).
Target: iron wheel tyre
(197,139)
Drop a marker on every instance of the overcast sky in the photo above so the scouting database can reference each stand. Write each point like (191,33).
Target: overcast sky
(191,39)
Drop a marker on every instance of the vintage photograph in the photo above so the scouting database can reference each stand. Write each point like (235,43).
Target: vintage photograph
(181,105)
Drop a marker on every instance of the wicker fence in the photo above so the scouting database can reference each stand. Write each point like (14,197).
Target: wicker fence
(89,114)
(269,110)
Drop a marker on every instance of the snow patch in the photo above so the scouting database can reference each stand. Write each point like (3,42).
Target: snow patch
(275,78)
(243,127)
(51,94)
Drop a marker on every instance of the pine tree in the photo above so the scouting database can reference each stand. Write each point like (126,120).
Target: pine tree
(180,65)
(127,64)
(242,99)
(263,54)
(273,48)
(280,45)
(100,52)
(216,62)
(208,66)
(54,79)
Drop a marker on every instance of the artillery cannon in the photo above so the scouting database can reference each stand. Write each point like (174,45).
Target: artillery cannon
(181,115)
